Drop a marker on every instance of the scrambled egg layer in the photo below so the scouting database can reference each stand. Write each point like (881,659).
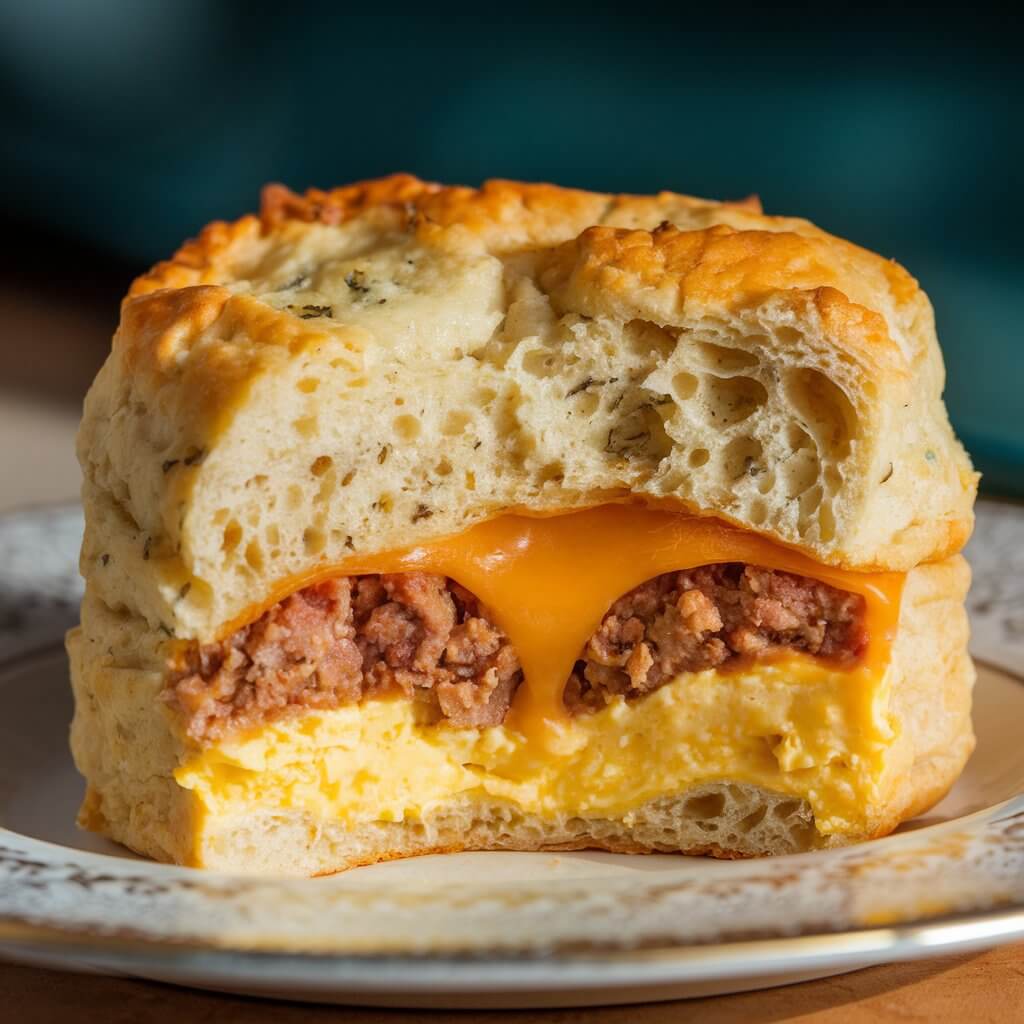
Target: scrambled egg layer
(794,726)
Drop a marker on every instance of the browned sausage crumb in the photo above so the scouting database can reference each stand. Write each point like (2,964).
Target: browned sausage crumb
(423,637)
(702,618)
(413,635)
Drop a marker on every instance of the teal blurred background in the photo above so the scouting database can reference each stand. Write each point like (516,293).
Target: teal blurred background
(129,125)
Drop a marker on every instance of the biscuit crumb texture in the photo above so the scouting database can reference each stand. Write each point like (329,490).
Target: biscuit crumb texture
(358,370)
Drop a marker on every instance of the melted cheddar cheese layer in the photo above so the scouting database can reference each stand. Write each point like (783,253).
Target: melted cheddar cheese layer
(548,581)
(797,725)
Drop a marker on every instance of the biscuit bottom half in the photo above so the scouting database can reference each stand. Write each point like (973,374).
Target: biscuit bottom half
(779,757)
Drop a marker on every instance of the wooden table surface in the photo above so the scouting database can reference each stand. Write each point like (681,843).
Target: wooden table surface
(53,341)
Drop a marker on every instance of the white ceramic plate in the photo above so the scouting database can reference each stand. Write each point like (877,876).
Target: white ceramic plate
(497,929)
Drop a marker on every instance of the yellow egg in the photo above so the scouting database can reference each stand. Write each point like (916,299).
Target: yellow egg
(792,726)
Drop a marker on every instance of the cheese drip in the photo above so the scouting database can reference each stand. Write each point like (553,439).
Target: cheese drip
(547,582)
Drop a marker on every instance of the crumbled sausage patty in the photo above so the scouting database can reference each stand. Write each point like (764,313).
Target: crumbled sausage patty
(414,634)
(703,618)
(425,638)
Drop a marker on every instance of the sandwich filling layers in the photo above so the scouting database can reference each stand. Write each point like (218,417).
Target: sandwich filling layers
(583,663)
(424,637)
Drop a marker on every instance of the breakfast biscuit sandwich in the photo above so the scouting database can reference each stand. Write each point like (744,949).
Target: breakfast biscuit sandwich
(426,518)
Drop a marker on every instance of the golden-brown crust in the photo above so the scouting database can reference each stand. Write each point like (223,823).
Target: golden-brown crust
(607,269)
(200,260)
(335,206)
(534,213)
(718,266)
(734,266)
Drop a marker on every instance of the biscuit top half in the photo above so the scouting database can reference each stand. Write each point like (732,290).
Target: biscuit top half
(362,369)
